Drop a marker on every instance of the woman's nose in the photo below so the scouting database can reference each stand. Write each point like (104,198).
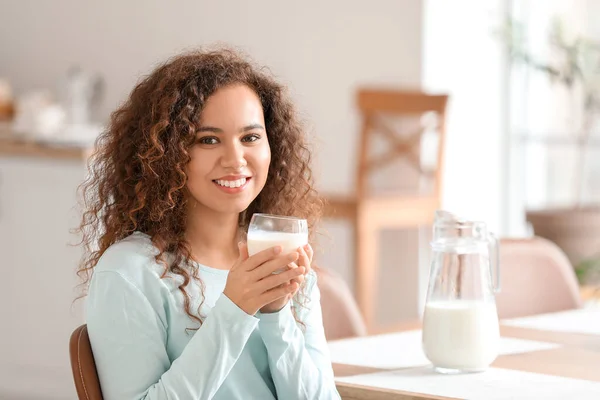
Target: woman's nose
(233,157)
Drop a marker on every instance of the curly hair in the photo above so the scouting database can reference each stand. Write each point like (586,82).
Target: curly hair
(137,179)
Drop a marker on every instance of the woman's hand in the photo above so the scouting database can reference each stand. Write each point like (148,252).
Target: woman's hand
(308,257)
(251,283)
(304,262)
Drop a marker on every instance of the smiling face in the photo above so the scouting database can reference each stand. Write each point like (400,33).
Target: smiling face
(231,156)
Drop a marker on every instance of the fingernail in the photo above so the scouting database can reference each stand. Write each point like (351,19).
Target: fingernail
(306,247)
(277,249)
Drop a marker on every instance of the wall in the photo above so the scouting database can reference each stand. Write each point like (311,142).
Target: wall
(322,49)
(462,57)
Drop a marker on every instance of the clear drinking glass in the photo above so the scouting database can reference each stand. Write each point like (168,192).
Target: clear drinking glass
(460,321)
(266,231)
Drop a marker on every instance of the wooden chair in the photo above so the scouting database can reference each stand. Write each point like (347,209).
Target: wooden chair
(369,212)
(86,379)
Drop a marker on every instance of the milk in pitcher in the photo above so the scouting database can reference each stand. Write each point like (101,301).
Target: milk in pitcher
(461,335)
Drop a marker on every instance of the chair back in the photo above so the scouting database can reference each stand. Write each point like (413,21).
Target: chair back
(341,316)
(536,278)
(378,108)
(85,376)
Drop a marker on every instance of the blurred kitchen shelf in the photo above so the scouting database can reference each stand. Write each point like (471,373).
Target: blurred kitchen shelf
(16,147)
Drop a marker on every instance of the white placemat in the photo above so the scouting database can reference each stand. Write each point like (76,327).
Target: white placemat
(585,320)
(403,349)
(495,383)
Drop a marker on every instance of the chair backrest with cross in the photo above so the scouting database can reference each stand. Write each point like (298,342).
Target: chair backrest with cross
(375,106)
(370,211)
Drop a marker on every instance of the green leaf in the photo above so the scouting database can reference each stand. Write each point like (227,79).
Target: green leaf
(587,268)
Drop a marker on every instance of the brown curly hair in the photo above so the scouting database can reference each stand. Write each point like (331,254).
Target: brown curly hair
(137,178)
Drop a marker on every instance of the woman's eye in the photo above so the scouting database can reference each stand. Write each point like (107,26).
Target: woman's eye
(251,138)
(208,140)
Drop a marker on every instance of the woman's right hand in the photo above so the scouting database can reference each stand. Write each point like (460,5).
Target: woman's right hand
(251,283)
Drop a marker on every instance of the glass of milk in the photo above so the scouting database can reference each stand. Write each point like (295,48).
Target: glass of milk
(460,322)
(266,231)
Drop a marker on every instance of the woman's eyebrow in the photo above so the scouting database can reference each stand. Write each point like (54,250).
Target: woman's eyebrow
(219,130)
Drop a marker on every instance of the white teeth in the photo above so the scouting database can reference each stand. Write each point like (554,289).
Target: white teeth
(231,184)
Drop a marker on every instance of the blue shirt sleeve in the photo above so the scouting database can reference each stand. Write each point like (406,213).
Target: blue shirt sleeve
(128,339)
(299,360)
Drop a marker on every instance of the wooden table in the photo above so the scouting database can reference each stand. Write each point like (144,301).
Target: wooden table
(578,357)
(590,293)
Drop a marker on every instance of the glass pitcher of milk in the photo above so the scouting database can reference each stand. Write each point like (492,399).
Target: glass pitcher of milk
(266,231)
(460,321)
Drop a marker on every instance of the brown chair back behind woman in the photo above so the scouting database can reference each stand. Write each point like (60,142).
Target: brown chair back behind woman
(83,365)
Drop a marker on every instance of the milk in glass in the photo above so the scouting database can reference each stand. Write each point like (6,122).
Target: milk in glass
(263,240)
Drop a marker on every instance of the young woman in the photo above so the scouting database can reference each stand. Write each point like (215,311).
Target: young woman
(176,308)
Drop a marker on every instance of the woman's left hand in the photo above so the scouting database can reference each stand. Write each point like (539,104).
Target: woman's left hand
(305,260)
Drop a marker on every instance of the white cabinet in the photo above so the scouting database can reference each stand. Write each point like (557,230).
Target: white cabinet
(38,208)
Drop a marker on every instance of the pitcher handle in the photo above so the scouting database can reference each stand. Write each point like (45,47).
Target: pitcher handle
(494,253)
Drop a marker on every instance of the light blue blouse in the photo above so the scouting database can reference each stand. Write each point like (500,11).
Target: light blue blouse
(137,327)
